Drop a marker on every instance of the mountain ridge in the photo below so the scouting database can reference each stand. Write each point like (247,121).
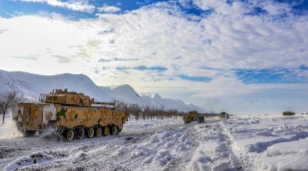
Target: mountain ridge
(31,85)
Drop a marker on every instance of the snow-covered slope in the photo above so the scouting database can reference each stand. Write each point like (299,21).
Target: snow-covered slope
(124,93)
(31,85)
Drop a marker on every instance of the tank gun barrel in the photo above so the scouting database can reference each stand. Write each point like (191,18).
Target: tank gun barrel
(105,103)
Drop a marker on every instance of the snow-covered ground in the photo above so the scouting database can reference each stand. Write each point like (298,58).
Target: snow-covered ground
(255,142)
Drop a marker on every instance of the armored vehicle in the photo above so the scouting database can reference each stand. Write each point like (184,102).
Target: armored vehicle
(193,116)
(71,114)
(223,115)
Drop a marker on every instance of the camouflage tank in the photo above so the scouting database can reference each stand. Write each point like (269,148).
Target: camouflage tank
(73,115)
(190,116)
(193,116)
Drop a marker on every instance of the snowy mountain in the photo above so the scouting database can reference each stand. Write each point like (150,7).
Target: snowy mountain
(127,94)
(123,93)
(31,85)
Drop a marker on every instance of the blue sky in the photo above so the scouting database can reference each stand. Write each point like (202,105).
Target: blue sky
(237,56)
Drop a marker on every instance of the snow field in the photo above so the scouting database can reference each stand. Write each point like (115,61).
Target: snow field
(271,142)
(244,143)
(213,151)
(161,145)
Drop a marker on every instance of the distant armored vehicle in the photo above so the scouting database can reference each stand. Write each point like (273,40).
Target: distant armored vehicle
(190,116)
(223,115)
(73,115)
(193,116)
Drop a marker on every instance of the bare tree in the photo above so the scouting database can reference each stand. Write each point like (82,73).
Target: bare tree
(7,100)
(146,111)
(135,110)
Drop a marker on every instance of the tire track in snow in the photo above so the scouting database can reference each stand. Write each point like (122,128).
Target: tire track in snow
(239,159)
(179,164)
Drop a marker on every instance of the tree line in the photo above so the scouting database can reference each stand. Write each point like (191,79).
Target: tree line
(147,111)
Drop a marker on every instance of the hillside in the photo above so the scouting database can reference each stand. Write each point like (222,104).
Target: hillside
(31,85)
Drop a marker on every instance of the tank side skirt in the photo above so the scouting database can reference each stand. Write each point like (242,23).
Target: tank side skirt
(33,115)
(89,117)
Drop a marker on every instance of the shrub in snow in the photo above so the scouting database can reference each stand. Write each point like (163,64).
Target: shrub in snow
(288,113)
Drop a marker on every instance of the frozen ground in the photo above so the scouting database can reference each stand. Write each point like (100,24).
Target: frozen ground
(270,143)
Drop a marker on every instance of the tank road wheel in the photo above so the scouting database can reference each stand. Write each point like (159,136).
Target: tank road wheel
(90,132)
(114,130)
(69,135)
(106,131)
(98,131)
(80,133)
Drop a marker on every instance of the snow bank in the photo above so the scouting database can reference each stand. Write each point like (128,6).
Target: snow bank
(291,155)
(140,124)
(37,158)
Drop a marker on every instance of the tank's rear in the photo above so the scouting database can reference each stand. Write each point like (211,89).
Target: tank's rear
(29,116)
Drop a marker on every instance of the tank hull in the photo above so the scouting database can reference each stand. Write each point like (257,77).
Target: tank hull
(39,117)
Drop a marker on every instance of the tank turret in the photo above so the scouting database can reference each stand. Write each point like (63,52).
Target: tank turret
(70,98)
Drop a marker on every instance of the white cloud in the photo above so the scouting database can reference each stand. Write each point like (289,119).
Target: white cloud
(209,4)
(185,3)
(275,8)
(109,9)
(75,5)
(210,47)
